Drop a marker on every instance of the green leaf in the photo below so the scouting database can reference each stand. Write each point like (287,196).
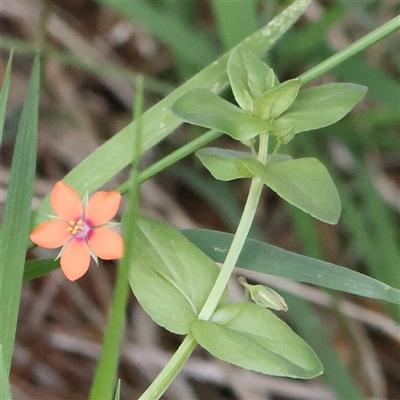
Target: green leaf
(158,122)
(265,258)
(381,86)
(204,108)
(5,391)
(222,162)
(262,257)
(304,183)
(37,268)
(14,230)
(277,100)
(254,338)
(117,395)
(235,20)
(107,366)
(170,277)
(321,106)
(249,77)
(4,95)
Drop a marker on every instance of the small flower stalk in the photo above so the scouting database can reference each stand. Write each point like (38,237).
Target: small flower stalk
(81,228)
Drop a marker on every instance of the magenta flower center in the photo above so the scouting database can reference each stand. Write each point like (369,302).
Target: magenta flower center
(80,228)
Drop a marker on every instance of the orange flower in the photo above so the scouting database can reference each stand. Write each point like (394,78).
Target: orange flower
(79,228)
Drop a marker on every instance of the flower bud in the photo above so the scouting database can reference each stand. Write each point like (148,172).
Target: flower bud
(264,296)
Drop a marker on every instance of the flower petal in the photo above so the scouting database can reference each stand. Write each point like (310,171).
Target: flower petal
(51,234)
(102,207)
(75,259)
(106,244)
(65,202)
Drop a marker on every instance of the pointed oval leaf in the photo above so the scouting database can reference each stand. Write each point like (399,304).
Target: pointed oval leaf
(321,106)
(204,108)
(170,277)
(249,76)
(304,183)
(222,162)
(277,100)
(258,340)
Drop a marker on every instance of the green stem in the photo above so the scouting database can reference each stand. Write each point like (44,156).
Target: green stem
(360,45)
(172,158)
(104,380)
(163,380)
(234,250)
(240,236)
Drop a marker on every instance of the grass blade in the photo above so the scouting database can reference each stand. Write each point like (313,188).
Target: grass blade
(37,268)
(235,20)
(17,213)
(262,257)
(104,380)
(4,95)
(5,392)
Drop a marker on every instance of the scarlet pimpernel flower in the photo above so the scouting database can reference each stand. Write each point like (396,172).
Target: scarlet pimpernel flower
(81,228)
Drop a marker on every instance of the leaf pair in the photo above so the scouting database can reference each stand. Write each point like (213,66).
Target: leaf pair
(171,278)
(265,105)
(268,107)
(304,183)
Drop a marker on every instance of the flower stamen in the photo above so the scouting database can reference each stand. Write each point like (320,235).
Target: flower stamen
(79,228)
(76,226)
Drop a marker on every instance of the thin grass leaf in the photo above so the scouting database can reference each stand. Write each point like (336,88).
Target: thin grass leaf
(235,20)
(265,258)
(5,391)
(4,95)
(117,395)
(37,268)
(17,213)
(107,368)
(159,122)
(268,259)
